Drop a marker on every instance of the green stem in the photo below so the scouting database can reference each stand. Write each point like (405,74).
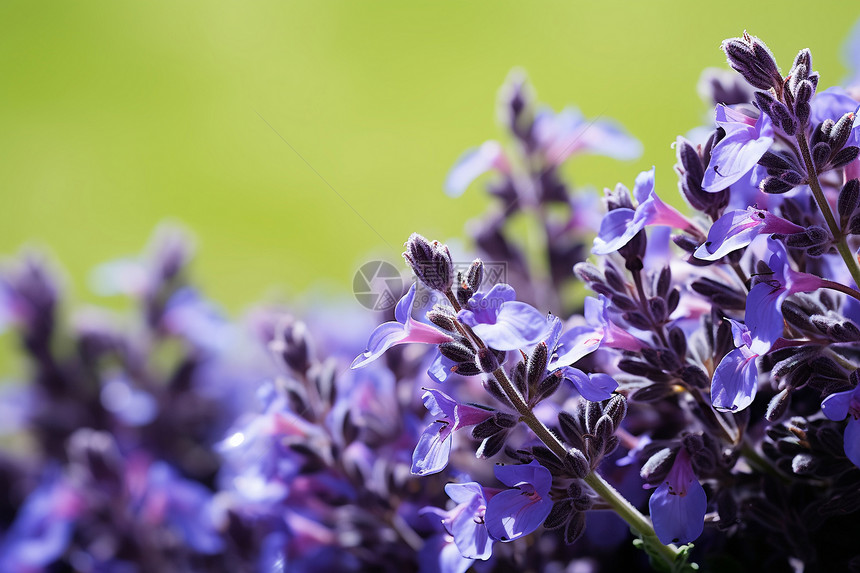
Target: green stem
(824,206)
(634,518)
(637,522)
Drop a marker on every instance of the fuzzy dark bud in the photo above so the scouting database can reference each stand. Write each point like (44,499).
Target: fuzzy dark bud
(443,318)
(485,429)
(486,360)
(803,464)
(658,465)
(537,364)
(774,186)
(575,528)
(849,198)
(547,387)
(751,58)
(821,153)
(559,514)
(778,405)
(854,225)
(844,156)
(576,463)
(475,275)
(430,261)
(491,446)
(616,408)
(457,351)
(841,131)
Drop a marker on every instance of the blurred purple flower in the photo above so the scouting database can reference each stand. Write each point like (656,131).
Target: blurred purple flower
(43,527)
(501,321)
(466,520)
(843,405)
(516,512)
(561,135)
(746,141)
(404,330)
(619,226)
(472,164)
(434,446)
(679,504)
(736,229)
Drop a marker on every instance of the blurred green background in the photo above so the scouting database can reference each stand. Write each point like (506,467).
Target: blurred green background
(118,115)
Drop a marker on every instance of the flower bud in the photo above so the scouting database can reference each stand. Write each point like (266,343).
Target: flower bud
(431,262)
(751,58)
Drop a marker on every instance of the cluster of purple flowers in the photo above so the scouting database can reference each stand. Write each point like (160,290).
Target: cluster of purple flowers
(707,390)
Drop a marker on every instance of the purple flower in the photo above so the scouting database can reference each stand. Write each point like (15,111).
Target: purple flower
(839,406)
(599,331)
(594,387)
(43,527)
(466,521)
(852,55)
(619,226)
(679,504)
(405,329)
(518,511)
(503,322)
(763,315)
(474,163)
(832,104)
(746,141)
(736,229)
(735,380)
(566,133)
(434,446)
(440,554)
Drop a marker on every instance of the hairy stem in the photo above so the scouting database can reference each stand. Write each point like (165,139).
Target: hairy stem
(821,200)
(634,518)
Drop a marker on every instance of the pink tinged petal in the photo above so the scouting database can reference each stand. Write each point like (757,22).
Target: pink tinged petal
(433,449)
(852,441)
(763,315)
(474,163)
(382,338)
(593,387)
(678,518)
(616,337)
(465,415)
(420,332)
(735,381)
(616,230)
(517,324)
(776,224)
(836,406)
(745,143)
(658,213)
(514,513)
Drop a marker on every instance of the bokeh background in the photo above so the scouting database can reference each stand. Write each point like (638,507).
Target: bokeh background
(299,140)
